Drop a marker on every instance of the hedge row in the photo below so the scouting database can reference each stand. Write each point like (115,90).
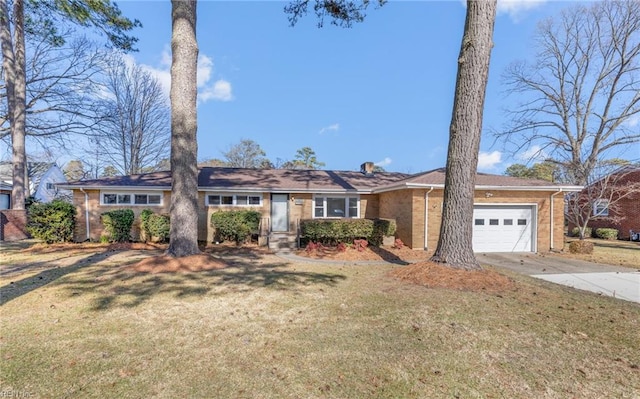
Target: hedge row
(603,233)
(334,231)
(607,234)
(154,226)
(117,225)
(235,226)
(51,222)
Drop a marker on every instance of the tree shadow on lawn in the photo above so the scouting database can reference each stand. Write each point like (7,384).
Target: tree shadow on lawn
(51,272)
(122,286)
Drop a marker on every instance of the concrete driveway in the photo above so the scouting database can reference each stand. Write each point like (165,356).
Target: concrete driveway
(618,282)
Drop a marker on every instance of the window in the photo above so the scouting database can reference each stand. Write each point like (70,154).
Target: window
(319,208)
(479,222)
(507,222)
(50,186)
(131,199)
(494,222)
(522,222)
(5,201)
(234,200)
(227,200)
(147,199)
(601,208)
(336,207)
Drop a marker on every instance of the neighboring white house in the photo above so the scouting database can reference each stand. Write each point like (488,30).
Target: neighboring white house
(42,179)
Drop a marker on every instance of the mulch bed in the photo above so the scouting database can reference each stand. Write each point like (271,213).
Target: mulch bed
(433,275)
(187,264)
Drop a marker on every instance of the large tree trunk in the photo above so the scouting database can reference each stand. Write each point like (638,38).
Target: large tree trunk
(184,124)
(13,62)
(455,242)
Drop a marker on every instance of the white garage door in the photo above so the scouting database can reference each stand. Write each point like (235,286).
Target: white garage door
(499,228)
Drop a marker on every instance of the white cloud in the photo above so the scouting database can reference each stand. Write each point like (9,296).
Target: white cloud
(489,160)
(516,8)
(220,90)
(633,121)
(534,153)
(205,68)
(335,127)
(384,162)
(163,76)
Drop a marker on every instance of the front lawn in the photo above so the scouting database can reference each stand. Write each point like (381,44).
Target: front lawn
(609,252)
(91,327)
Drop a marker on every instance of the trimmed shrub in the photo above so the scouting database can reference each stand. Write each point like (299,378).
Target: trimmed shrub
(333,231)
(117,224)
(576,232)
(581,247)
(315,246)
(144,224)
(360,245)
(51,222)
(154,226)
(382,228)
(607,233)
(235,226)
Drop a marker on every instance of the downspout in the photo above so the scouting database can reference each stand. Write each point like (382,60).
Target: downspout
(551,219)
(86,212)
(426,218)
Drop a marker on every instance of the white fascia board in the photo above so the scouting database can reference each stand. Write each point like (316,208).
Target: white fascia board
(402,186)
(114,188)
(281,190)
(531,188)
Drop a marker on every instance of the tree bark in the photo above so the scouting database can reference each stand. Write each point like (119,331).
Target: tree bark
(184,147)
(14,64)
(455,246)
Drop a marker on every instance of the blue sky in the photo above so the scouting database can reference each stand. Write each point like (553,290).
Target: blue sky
(381,91)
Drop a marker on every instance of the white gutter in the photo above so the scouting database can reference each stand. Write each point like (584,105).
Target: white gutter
(551,219)
(113,188)
(477,187)
(426,218)
(86,212)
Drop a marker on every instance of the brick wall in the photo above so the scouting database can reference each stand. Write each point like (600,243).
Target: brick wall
(408,208)
(12,225)
(399,205)
(627,210)
(206,232)
(95,210)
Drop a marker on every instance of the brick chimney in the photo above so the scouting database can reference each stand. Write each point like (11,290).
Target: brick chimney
(367,168)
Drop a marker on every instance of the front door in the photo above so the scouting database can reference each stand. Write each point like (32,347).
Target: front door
(279,212)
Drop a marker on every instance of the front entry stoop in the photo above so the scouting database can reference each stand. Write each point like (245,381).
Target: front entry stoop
(283,242)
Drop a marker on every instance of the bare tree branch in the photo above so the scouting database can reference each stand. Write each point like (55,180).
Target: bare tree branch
(582,93)
(61,90)
(134,131)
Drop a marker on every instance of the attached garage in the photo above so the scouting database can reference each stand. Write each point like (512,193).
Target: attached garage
(504,228)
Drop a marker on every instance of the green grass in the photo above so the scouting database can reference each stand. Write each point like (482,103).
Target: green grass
(267,329)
